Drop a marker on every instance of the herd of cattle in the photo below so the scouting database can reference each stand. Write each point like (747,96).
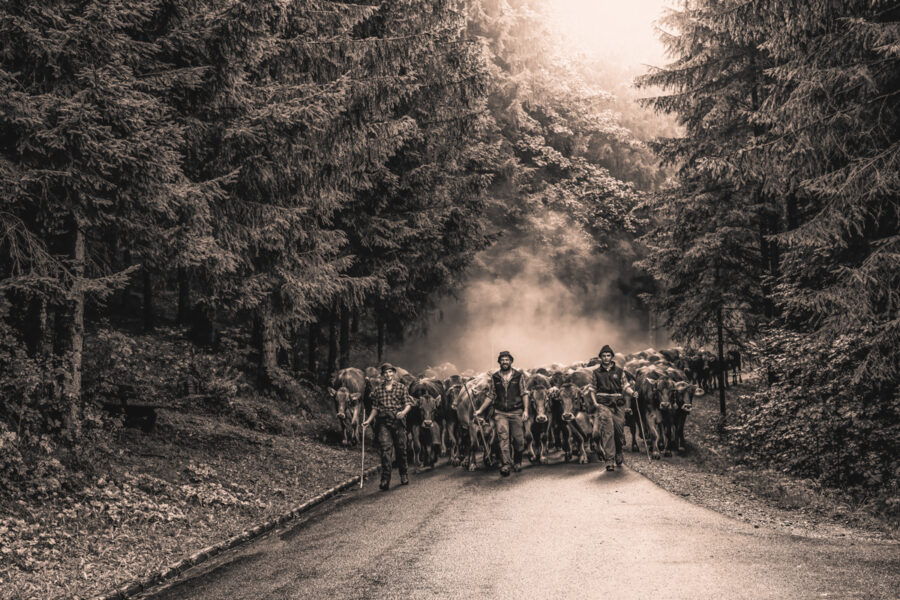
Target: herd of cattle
(560,415)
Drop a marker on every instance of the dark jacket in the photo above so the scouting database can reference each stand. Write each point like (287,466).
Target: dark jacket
(609,382)
(508,398)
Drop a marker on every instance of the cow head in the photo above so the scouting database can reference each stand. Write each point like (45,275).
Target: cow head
(664,389)
(540,404)
(454,391)
(647,393)
(344,402)
(428,405)
(684,395)
(569,400)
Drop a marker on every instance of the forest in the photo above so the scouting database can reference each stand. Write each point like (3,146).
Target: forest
(287,187)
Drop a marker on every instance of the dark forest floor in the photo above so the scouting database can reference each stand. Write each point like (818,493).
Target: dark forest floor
(710,474)
(196,480)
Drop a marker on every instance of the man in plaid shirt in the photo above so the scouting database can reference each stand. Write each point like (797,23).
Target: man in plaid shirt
(390,403)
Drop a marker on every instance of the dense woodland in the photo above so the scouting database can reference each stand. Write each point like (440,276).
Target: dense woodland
(284,181)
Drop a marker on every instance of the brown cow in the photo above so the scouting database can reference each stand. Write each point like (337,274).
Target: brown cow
(346,389)
(474,434)
(422,423)
(575,420)
(539,417)
(645,411)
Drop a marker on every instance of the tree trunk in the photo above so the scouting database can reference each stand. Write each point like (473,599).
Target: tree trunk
(70,332)
(312,347)
(268,347)
(35,327)
(184,296)
(354,324)
(765,257)
(147,285)
(380,339)
(345,338)
(721,351)
(792,217)
(332,339)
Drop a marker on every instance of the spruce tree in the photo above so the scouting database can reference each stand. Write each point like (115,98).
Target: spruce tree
(90,150)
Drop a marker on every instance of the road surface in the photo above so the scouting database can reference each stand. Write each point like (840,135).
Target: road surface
(553,531)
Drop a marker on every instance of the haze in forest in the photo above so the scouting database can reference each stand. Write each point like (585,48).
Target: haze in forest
(513,297)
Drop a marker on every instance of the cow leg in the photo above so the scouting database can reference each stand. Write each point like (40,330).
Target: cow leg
(573,440)
(444,429)
(579,427)
(437,443)
(454,444)
(565,435)
(416,447)
(541,438)
(473,448)
(665,427)
(528,430)
(680,419)
(632,427)
(653,424)
(492,449)
(596,440)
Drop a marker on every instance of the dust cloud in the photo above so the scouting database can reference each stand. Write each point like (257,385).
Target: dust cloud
(516,302)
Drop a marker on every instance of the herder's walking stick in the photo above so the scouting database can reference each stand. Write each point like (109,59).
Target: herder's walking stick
(362,468)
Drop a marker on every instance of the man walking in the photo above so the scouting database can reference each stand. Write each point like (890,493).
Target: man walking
(390,403)
(611,387)
(508,395)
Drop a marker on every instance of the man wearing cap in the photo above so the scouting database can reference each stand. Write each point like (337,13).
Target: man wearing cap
(610,379)
(509,397)
(390,403)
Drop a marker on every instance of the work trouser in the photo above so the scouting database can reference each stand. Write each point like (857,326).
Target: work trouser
(510,424)
(611,426)
(391,432)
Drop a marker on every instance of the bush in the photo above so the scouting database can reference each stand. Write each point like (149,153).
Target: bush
(817,419)
(39,451)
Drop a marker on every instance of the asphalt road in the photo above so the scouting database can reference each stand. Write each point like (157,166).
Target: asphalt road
(557,531)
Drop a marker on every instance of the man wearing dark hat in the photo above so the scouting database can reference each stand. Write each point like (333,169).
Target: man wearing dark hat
(390,403)
(509,397)
(612,388)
